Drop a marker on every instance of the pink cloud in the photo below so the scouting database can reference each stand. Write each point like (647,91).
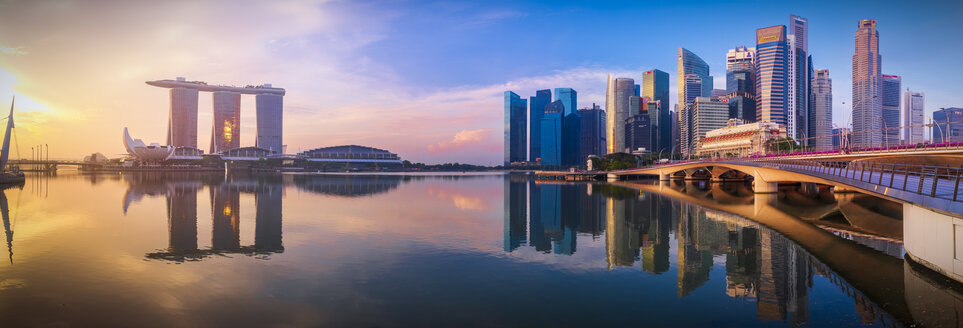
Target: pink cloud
(464,139)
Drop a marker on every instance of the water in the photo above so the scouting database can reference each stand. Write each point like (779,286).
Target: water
(461,250)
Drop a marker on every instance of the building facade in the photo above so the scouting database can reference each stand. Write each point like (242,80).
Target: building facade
(182,124)
(913,117)
(637,133)
(617,96)
(655,86)
(740,67)
(709,113)
(515,128)
(593,131)
(949,125)
(740,139)
(694,81)
(226,129)
(798,100)
(842,138)
(551,130)
(536,106)
(821,115)
(742,106)
(891,112)
(772,74)
(867,102)
(270,123)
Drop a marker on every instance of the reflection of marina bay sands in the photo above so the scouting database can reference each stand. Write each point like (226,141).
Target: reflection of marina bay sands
(226,128)
(182,214)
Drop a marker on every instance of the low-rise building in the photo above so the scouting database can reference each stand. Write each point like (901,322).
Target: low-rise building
(740,139)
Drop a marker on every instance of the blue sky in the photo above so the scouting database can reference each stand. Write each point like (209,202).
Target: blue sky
(423,79)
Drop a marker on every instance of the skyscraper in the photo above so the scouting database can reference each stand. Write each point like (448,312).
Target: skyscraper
(269,122)
(536,107)
(182,126)
(655,86)
(571,126)
(821,117)
(551,130)
(772,80)
(637,134)
(617,96)
(867,105)
(708,113)
(740,67)
(948,125)
(913,119)
(798,101)
(226,129)
(593,131)
(693,71)
(891,92)
(515,128)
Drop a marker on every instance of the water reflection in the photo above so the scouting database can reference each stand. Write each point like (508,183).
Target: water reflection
(5,213)
(181,192)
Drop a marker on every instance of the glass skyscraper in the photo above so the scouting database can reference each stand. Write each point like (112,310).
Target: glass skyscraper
(617,95)
(655,86)
(891,113)
(867,105)
(515,128)
(772,80)
(821,115)
(571,126)
(592,132)
(797,111)
(913,119)
(537,105)
(740,67)
(948,125)
(693,71)
(551,131)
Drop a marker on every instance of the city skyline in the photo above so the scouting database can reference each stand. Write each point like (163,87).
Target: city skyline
(352,79)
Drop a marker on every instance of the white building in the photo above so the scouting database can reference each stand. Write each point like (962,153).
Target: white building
(913,116)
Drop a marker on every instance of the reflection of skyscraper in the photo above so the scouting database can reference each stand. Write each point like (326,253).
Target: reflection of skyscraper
(569,201)
(225,217)
(591,212)
(267,226)
(516,210)
(182,218)
(622,239)
(694,264)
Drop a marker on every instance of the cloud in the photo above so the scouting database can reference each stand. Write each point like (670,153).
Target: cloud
(16,51)
(464,139)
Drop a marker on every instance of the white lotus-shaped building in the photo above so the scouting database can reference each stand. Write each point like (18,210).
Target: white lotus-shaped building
(153,153)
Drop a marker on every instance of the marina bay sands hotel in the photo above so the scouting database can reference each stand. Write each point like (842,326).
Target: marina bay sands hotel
(182,126)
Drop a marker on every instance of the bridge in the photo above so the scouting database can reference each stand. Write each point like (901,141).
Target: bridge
(50,165)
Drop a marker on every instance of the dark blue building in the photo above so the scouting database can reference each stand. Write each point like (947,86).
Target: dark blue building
(949,125)
(655,86)
(537,105)
(551,133)
(515,128)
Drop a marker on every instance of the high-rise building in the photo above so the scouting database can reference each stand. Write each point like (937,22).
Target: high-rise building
(617,96)
(226,129)
(798,100)
(742,106)
(772,80)
(867,105)
(718,93)
(551,130)
(655,86)
(740,67)
(674,118)
(949,125)
(269,122)
(571,126)
(708,113)
(515,128)
(821,115)
(182,126)
(692,71)
(637,134)
(536,106)
(569,99)
(913,118)
(842,137)
(891,93)
(593,131)
(638,90)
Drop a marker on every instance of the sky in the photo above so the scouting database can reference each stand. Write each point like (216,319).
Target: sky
(423,79)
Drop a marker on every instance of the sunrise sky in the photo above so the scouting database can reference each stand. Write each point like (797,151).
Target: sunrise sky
(421,79)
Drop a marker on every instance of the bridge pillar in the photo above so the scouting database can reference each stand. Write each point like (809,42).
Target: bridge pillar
(612,177)
(934,240)
(842,189)
(664,177)
(761,186)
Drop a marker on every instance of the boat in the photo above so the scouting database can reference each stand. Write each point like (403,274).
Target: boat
(11,174)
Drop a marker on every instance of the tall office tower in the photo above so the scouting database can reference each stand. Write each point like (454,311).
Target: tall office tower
(551,131)
(571,126)
(742,106)
(821,115)
(617,96)
(637,134)
(740,66)
(708,113)
(718,93)
(182,126)
(638,90)
(867,105)
(655,85)
(692,71)
(226,129)
(636,106)
(270,122)
(949,124)
(798,101)
(593,132)
(692,85)
(913,119)
(772,80)
(674,118)
(515,128)
(536,106)
(890,90)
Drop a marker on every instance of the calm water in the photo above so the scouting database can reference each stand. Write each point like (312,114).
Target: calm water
(468,250)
